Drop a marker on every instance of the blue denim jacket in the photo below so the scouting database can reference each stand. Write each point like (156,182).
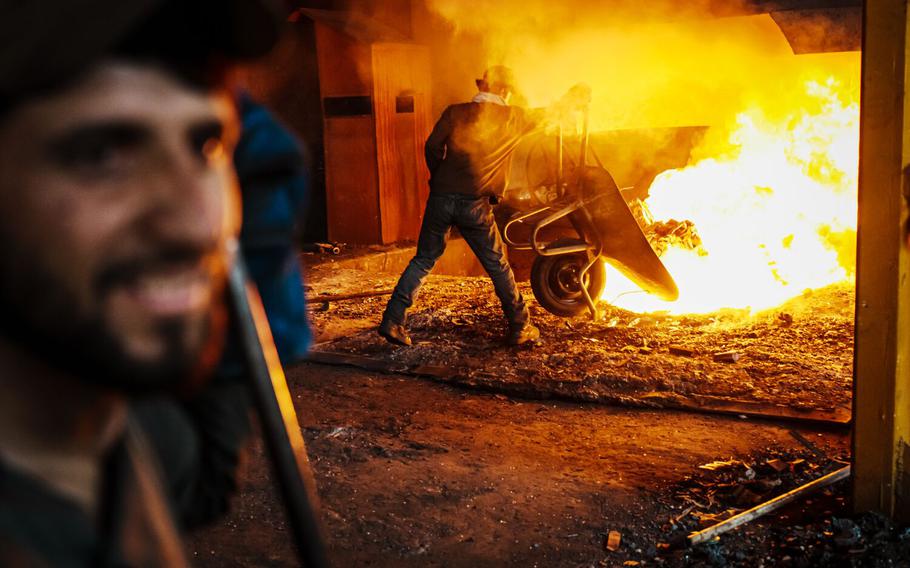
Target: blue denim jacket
(274,186)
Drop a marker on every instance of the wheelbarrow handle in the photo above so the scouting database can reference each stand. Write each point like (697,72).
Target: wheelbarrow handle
(520,219)
(280,428)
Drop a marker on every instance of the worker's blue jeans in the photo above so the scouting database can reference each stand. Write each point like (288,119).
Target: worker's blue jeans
(473,217)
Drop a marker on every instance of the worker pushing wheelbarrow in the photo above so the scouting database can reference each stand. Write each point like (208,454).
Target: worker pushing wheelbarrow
(467,154)
(580,222)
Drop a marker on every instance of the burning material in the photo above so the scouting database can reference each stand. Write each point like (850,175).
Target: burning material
(680,234)
(766,209)
(774,209)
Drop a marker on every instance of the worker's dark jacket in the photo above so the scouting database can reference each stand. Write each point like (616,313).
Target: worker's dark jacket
(469,149)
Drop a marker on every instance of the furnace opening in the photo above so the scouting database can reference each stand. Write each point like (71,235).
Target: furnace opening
(733,146)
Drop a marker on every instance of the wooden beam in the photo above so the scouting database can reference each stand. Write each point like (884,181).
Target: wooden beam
(518,390)
(341,297)
(750,515)
(882,386)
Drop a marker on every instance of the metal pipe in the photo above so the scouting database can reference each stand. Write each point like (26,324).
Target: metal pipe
(520,219)
(559,160)
(550,219)
(559,214)
(280,428)
(353,296)
(585,135)
(592,305)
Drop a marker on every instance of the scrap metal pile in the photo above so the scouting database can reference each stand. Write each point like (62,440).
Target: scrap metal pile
(818,529)
(665,234)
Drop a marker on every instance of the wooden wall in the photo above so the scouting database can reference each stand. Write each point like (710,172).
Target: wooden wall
(352,198)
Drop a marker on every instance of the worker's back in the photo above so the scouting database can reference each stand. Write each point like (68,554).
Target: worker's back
(469,149)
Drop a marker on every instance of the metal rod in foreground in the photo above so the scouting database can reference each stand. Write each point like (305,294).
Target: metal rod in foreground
(280,428)
(765,508)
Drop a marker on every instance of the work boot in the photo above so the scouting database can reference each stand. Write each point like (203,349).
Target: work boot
(525,334)
(394,333)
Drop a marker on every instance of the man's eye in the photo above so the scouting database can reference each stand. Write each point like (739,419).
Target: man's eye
(99,151)
(101,157)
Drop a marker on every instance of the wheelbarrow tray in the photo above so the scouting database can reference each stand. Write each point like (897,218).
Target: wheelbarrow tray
(622,243)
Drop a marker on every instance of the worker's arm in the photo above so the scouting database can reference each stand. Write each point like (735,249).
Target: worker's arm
(575,99)
(274,187)
(435,148)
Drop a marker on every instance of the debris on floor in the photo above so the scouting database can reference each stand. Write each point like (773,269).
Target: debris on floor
(614,539)
(815,531)
(797,359)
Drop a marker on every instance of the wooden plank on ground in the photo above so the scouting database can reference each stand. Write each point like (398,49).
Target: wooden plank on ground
(359,361)
(701,404)
(712,532)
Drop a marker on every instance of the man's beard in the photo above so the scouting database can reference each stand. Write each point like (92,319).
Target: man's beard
(42,317)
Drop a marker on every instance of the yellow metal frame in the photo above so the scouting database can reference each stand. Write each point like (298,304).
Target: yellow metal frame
(882,364)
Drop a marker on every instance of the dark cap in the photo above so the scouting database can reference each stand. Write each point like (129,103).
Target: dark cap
(497,76)
(46,41)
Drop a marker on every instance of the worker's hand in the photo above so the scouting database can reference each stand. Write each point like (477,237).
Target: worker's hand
(577,98)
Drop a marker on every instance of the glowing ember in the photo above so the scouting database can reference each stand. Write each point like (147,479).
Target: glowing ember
(775,207)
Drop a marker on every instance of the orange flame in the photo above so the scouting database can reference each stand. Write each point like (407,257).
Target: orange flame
(775,206)
(771,190)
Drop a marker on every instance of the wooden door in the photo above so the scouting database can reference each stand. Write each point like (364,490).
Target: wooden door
(401,110)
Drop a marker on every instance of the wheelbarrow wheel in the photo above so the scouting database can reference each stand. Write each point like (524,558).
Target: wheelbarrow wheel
(556,281)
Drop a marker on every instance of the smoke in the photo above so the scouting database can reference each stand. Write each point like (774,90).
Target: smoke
(650,64)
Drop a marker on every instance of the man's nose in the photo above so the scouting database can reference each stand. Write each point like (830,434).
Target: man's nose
(191,203)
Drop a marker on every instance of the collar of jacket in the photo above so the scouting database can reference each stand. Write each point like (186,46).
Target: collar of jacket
(483,97)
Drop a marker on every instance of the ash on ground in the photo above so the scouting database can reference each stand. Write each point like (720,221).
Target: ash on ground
(797,357)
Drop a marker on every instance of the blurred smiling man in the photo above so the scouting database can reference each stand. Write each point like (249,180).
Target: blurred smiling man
(118,212)
(115,214)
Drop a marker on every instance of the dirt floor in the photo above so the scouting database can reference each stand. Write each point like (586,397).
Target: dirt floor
(796,360)
(416,473)
(461,451)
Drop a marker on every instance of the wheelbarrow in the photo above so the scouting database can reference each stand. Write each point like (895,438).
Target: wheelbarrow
(592,224)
